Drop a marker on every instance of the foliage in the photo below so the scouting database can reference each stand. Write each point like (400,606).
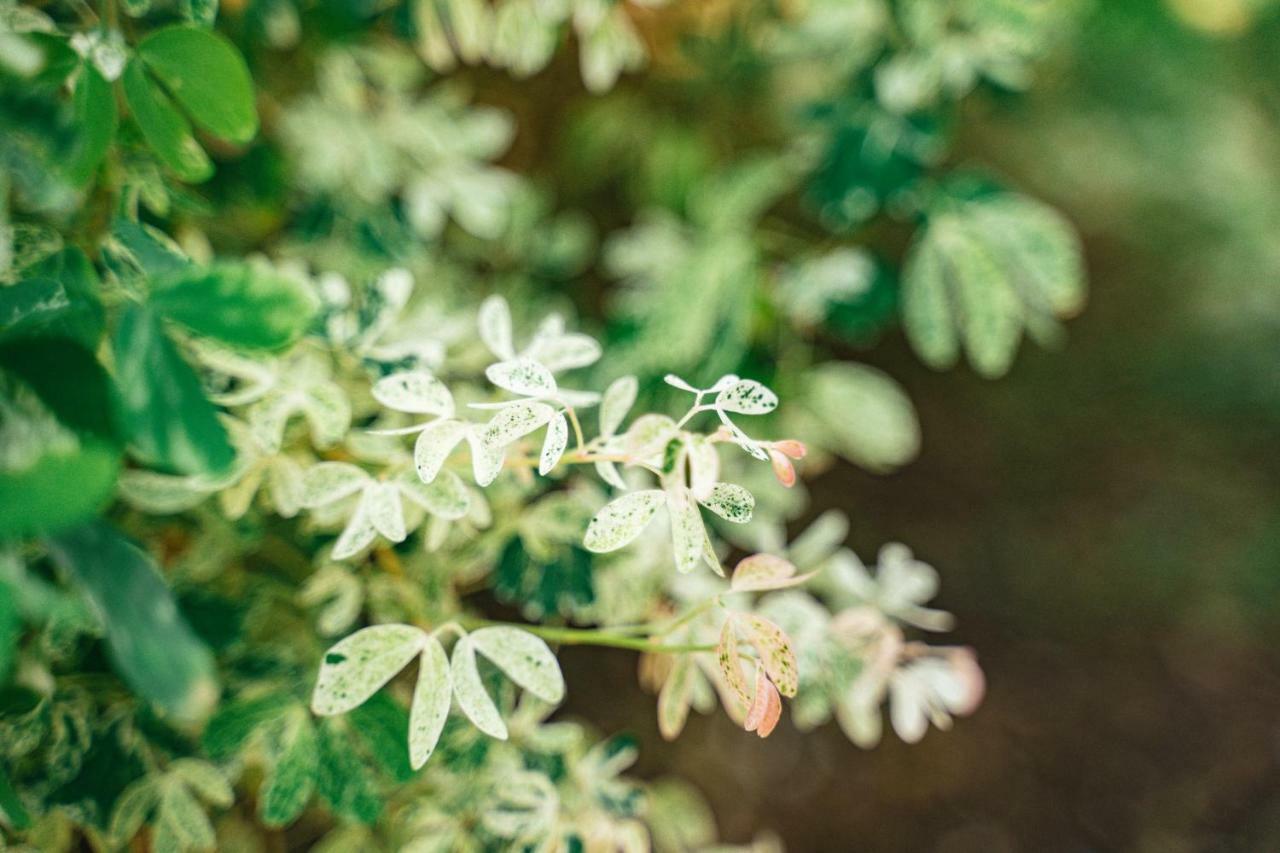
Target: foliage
(258,391)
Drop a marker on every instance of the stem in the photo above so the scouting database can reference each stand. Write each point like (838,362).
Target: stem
(577,427)
(589,637)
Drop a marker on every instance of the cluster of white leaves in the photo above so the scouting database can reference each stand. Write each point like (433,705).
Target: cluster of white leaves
(358,666)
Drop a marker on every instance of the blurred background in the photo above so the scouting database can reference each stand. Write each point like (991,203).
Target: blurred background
(1106,519)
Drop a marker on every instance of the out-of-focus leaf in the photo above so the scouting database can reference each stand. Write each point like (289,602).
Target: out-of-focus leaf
(166,130)
(96,120)
(169,421)
(149,642)
(860,413)
(206,74)
(236,303)
(288,789)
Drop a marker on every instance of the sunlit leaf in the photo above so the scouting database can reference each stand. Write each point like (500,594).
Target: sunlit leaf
(730,502)
(432,695)
(746,397)
(525,659)
(416,392)
(473,700)
(554,444)
(621,521)
(355,668)
(522,376)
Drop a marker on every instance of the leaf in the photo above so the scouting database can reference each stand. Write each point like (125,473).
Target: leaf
(566,352)
(416,392)
(236,722)
(149,643)
(432,695)
(675,696)
(774,648)
(486,460)
(11,808)
(170,423)
(206,74)
(761,572)
(59,300)
(554,444)
(622,520)
(525,659)
(167,131)
(867,417)
(766,706)
(731,502)
(730,663)
(181,814)
(238,304)
(202,12)
(386,513)
(747,397)
(343,780)
(433,446)
(132,808)
(96,119)
(327,482)
(522,376)
(205,779)
(445,497)
(69,381)
(288,788)
(495,327)
(355,668)
(473,700)
(516,421)
(687,532)
(383,727)
(619,397)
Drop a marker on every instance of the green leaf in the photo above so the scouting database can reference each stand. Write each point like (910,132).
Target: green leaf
(170,423)
(180,812)
(342,780)
(207,75)
(96,118)
(383,726)
(149,643)
(10,629)
(166,130)
(289,787)
(50,477)
(201,12)
(238,304)
(12,811)
(863,415)
(69,381)
(235,722)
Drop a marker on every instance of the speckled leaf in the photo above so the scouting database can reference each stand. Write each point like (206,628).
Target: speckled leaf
(434,445)
(468,689)
(326,482)
(687,531)
(764,572)
(618,399)
(553,445)
(432,696)
(444,497)
(486,461)
(730,663)
(621,521)
(355,668)
(731,502)
(382,505)
(416,392)
(747,397)
(522,376)
(288,788)
(516,421)
(525,659)
(675,695)
(774,648)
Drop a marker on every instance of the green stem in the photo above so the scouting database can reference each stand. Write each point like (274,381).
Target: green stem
(589,637)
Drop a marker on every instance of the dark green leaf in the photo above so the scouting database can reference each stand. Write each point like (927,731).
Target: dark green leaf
(238,304)
(235,722)
(166,130)
(68,379)
(206,74)
(169,421)
(342,780)
(289,787)
(150,645)
(202,12)
(12,811)
(384,727)
(96,120)
(10,628)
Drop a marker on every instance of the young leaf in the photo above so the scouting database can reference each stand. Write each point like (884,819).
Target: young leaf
(675,696)
(730,663)
(731,502)
(525,659)
(179,812)
(239,304)
(206,74)
(432,696)
(554,444)
(761,572)
(473,699)
(746,397)
(766,705)
(168,419)
(522,376)
(166,130)
(149,642)
(774,648)
(621,521)
(416,392)
(355,668)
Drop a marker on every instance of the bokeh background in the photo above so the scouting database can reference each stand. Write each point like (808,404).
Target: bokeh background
(1106,519)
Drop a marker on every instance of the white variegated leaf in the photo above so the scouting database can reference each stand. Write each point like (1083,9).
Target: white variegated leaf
(609,473)
(687,531)
(416,392)
(618,399)
(554,444)
(731,502)
(621,520)
(434,445)
(566,352)
(676,382)
(761,572)
(357,535)
(473,700)
(525,659)
(432,695)
(522,376)
(445,497)
(486,461)
(516,421)
(386,514)
(746,397)
(704,467)
(161,494)
(578,399)
(354,669)
(326,482)
(495,327)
